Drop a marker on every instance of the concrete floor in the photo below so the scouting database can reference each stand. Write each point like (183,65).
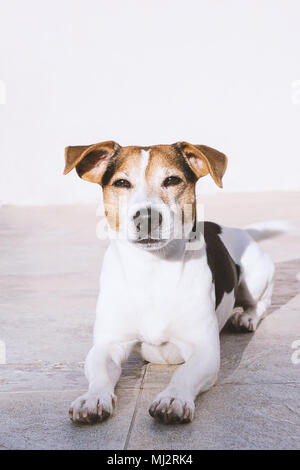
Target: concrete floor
(50,262)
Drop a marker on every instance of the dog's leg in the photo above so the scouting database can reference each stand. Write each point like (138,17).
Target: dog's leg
(254,293)
(103,370)
(255,289)
(175,404)
(253,314)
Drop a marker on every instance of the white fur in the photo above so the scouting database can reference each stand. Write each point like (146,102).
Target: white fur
(141,191)
(163,304)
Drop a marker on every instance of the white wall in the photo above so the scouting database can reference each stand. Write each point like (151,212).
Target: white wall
(144,72)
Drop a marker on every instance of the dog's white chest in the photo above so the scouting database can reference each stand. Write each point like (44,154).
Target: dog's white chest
(153,299)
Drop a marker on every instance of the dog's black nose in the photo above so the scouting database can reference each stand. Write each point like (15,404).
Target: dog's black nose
(147,220)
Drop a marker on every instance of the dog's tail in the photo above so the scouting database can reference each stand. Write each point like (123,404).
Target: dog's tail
(272,228)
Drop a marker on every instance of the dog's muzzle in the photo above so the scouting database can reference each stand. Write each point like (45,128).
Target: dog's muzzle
(148,222)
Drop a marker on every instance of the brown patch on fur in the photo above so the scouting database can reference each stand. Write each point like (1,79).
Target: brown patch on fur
(72,156)
(204,160)
(124,166)
(125,160)
(90,160)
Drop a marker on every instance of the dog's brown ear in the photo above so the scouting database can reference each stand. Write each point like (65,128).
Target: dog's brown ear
(203,160)
(90,160)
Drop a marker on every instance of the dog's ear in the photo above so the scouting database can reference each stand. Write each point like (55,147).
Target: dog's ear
(90,160)
(203,160)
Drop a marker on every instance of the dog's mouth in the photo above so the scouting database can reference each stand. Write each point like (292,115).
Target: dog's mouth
(150,242)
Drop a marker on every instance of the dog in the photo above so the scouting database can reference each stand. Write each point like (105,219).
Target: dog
(164,295)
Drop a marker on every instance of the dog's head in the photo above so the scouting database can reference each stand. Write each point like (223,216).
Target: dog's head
(149,192)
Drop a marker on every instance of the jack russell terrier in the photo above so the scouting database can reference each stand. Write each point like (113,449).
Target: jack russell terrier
(164,292)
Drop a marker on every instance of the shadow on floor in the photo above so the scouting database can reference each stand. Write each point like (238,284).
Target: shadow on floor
(286,287)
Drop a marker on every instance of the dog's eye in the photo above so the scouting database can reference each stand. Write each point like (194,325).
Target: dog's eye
(122,184)
(172,181)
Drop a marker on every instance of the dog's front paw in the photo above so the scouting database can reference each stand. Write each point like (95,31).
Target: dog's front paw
(92,408)
(170,409)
